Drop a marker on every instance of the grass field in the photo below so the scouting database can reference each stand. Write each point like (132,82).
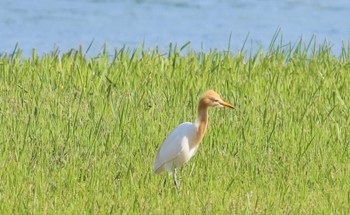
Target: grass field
(79,134)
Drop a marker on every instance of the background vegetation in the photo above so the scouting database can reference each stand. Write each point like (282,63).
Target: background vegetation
(79,134)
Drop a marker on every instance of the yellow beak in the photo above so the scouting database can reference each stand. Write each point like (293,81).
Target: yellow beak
(227,104)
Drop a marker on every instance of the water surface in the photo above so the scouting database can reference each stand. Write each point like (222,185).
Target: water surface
(207,24)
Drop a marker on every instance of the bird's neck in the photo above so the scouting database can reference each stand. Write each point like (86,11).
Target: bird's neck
(202,121)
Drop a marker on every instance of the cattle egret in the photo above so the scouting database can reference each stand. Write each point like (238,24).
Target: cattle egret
(182,143)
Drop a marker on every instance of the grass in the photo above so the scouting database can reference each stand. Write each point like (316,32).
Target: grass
(80,134)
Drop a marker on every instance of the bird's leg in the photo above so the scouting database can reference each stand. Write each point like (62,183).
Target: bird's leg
(164,181)
(175,180)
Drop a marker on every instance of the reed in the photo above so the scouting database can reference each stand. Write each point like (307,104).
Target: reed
(79,134)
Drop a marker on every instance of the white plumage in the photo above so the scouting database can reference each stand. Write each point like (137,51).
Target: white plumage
(176,148)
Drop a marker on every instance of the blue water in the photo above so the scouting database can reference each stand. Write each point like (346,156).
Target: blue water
(65,24)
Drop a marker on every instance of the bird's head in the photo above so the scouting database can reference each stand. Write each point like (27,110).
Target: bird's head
(212,99)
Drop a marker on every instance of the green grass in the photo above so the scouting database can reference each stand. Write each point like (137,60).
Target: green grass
(80,134)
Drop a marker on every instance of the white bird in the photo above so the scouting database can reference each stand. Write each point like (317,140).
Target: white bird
(182,143)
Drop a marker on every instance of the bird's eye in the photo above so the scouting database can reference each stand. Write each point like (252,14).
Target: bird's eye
(215,100)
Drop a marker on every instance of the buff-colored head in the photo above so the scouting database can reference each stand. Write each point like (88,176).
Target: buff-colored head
(212,99)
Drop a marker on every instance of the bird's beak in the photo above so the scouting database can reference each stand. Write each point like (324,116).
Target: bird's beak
(227,104)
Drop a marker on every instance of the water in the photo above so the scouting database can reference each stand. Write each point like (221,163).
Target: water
(65,24)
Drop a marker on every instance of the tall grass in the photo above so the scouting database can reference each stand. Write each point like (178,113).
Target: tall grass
(80,134)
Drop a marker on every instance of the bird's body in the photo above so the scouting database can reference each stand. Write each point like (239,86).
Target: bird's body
(183,142)
(171,155)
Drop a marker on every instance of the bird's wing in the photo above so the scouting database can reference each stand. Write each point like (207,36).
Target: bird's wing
(173,144)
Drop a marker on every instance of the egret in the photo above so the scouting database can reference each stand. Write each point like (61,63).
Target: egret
(182,143)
